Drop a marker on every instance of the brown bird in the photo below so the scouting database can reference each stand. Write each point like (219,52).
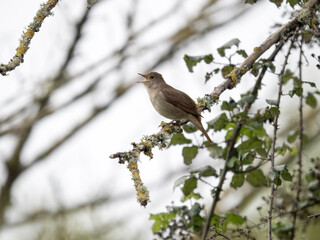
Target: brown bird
(170,102)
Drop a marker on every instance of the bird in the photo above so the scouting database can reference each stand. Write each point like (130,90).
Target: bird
(170,102)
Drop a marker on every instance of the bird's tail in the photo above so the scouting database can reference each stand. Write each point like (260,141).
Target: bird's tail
(197,122)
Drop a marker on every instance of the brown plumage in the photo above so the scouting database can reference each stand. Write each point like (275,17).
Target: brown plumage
(172,103)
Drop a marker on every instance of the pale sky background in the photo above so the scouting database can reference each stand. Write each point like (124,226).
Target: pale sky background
(81,168)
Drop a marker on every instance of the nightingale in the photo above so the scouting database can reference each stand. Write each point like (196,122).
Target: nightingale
(170,102)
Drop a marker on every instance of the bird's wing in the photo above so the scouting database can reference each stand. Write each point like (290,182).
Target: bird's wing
(180,100)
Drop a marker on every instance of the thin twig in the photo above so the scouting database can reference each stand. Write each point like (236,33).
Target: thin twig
(295,213)
(275,131)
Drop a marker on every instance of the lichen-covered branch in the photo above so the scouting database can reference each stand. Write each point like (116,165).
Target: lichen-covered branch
(160,140)
(27,36)
(142,192)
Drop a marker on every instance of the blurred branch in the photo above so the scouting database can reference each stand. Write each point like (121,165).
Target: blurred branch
(14,168)
(70,133)
(27,36)
(40,215)
(44,214)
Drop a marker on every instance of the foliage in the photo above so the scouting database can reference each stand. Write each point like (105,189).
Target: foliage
(251,143)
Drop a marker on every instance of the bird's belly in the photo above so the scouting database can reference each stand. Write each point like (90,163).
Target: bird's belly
(168,110)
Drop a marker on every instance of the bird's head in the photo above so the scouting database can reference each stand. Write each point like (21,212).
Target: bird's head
(152,80)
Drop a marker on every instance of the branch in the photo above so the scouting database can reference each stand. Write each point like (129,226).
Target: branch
(285,30)
(274,139)
(299,184)
(26,38)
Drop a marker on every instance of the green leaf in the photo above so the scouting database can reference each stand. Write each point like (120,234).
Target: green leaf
(287,76)
(215,221)
(248,159)
(274,111)
(282,149)
(179,138)
(226,70)
(242,53)
(282,230)
(246,99)
(286,176)
(228,45)
(258,129)
(214,150)
(189,128)
(206,171)
(272,102)
(261,151)
(189,185)
(229,134)
(270,65)
(216,70)
(312,84)
(219,122)
(293,2)
(296,91)
(161,220)
(180,181)
(250,1)
(234,219)
(197,223)
(311,100)
(255,68)
(232,162)
(195,210)
(237,180)
(256,178)
(190,196)
(250,144)
(208,58)
(283,171)
(228,106)
(292,136)
(192,61)
(277,181)
(189,153)
(277,2)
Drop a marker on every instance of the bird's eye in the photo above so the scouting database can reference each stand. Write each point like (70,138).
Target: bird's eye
(152,77)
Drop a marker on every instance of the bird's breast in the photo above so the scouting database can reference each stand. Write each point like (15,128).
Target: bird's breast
(165,108)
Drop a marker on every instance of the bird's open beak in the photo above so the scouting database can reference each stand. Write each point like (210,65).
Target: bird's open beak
(145,76)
